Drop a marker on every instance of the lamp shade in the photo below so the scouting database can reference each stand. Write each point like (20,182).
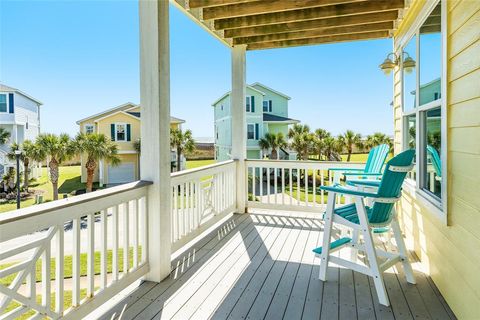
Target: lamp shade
(408,65)
(387,66)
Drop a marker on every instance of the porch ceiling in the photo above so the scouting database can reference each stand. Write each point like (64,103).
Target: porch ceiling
(268,24)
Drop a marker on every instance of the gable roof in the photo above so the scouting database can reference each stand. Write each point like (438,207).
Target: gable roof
(123,108)
(5,88)
(274,118)
(228,93)
(270,89)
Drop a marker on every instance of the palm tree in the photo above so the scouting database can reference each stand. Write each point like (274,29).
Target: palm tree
(4,136)
(332,148)
(377,139)
(301,140)
(319,143)
(273,142)
(97,147)
(298,129)
(182,142)
(30,152)
(57,149)
(350,139)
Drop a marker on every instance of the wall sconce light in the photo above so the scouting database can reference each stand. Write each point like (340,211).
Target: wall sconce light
(388,64)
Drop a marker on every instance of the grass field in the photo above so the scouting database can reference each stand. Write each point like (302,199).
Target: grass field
(69,181)
(191,164)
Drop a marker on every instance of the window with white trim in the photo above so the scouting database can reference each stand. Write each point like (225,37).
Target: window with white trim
(121,132)
(248,106)
(251,131)
(89,128)
(3,103)
(422,104)
(265,105)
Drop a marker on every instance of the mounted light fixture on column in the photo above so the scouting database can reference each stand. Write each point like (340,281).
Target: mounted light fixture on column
(388,64)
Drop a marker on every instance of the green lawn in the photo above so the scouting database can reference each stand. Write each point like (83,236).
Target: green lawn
(191,164)
(69,181)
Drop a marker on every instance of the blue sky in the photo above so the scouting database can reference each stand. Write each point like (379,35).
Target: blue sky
(81,57)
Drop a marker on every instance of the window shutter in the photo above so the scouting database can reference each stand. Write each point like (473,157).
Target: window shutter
(128,132)
(252,102)
(256,131)
(11,106)
(269,105)
(112,131)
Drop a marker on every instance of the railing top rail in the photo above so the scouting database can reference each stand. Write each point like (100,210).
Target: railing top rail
(301,161)
(43,208)
(200,169)
(330,164)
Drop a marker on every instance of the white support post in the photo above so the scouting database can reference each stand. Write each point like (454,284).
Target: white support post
(239,126)
(155,131)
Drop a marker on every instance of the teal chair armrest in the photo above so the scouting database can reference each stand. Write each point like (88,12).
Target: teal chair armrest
(350,192)
(363,174)
(366,183)
(345,169)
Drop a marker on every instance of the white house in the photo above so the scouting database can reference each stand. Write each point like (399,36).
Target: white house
(20,115)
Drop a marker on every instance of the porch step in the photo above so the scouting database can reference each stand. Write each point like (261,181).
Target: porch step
(334,244)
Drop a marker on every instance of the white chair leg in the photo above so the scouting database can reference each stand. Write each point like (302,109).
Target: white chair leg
(407,267)
(374,268)
(327,232)
(371,253)
(354,250)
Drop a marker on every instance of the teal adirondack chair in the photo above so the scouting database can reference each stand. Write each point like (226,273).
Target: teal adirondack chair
(364,220)
(373,167)
(435,158)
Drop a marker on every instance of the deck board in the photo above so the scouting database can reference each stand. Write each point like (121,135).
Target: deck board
(260,266)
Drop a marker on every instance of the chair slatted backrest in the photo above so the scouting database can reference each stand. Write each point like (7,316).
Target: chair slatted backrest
(437,165)
(376,159)
(391,186)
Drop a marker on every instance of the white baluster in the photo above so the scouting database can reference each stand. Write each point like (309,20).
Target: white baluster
(103,248)
(126,242)
(135,233)
(115,210)
(59,270)
(90,254)
(76,263)
(46,279)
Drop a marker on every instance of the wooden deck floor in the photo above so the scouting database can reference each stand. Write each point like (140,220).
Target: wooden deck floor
(260,266)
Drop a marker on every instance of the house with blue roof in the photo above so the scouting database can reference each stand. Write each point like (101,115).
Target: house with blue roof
(266,111)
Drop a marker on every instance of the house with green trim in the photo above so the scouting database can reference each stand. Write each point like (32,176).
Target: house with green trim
(266,111)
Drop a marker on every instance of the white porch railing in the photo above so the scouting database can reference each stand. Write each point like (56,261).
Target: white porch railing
(88,247)
(291,185)
(200,198)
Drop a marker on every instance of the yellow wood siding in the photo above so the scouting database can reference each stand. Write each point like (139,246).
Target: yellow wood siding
(102,125)
(452,253)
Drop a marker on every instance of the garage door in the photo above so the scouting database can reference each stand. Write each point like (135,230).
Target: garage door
(122,173)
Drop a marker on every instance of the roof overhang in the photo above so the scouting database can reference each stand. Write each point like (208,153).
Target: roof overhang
(268,24)
(292,121)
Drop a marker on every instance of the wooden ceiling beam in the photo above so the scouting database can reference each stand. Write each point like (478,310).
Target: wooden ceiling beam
(315,33)
(309,14)
(194,4)
(319,40)
(312,24)
(266,6)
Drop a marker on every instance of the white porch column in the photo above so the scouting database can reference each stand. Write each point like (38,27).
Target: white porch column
(239,126)
(155,130)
